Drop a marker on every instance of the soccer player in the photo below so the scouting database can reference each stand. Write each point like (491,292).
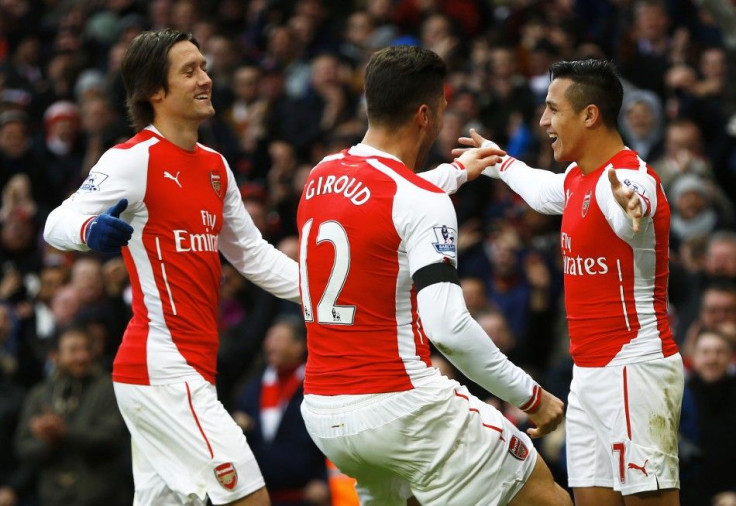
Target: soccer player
(378,256)
(175,203)
(624,405)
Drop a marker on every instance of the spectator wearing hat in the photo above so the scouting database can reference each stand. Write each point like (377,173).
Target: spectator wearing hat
(63,153)
(693,212)
(642,123)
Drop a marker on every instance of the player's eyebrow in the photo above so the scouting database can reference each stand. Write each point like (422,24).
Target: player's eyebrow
(192,64)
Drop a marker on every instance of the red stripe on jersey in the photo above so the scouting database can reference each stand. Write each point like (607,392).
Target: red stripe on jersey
(661,224)
(196,420)
(506,163)
(532,404)
(420,338)
(84,229)
(626,404)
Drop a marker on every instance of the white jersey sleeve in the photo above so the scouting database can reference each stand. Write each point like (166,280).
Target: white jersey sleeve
(116,175)
(447,176)
(543,190)
(243,246)
(427,225)
(644,186)
(462,340)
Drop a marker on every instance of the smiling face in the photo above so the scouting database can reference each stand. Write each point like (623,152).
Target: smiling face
(564,126)
(190,88)
(711,357)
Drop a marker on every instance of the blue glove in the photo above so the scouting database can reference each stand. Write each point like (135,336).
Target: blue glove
(107,233)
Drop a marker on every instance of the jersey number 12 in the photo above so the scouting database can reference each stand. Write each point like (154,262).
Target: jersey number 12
(328,312)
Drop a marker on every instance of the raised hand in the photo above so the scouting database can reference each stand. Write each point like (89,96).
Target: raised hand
(627,199)
(478,141)
(476,159)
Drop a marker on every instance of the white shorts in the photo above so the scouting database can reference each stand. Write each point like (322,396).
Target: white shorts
(185,445)
(436,442)
(622,424)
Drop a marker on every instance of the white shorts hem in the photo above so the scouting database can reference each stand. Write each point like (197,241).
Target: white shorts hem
(646,487)
(244,492)
(587,484)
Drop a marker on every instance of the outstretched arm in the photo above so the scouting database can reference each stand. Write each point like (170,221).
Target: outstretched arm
(543,190)
(468,166)
(462,340)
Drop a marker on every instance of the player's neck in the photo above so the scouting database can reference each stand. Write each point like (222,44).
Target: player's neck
(599,150)
(394,142)
(182,135)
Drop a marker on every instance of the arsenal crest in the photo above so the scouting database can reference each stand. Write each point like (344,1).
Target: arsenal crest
(215,181)
(517,449)
(586,202)
(227,475)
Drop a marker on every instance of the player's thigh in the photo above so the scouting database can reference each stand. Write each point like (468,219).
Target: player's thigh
(597,496)
(587,454)
(151,488)
(190,440)
(541,489)
(470,453)
(669,497)
(257,498)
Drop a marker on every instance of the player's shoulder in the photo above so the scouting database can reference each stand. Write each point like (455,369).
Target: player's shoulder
(628,159)
(631,166)
(140,140)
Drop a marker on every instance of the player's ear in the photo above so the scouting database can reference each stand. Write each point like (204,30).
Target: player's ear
(592,114)
(158,96)
(423,115)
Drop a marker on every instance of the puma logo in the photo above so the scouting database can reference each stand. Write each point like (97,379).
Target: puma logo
(167,175)
(642,468)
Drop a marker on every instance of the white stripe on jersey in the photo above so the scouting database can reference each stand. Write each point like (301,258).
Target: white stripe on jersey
(163,272)
(416,369)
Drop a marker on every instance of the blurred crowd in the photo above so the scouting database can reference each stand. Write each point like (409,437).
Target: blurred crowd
(287,78)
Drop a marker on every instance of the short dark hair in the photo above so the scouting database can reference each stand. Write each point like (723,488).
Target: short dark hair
(67,330)
(595,82)
(399,79)
(145,69)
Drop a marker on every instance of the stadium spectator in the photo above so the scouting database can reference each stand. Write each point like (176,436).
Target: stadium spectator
(71,431)
(713,389)
(268,409)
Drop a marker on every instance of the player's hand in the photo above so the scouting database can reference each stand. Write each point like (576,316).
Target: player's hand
(547,417)
(107,233)
(627,199)
(478,141)
(475,160)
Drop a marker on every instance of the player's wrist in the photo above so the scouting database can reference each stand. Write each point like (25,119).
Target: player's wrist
(84,232)
(532,405)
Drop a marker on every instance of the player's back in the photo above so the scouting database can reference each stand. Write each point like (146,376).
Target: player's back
(364,334)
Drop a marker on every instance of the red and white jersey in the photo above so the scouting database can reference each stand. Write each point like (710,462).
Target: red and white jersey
(367,224)
(615,280)
(185,208)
